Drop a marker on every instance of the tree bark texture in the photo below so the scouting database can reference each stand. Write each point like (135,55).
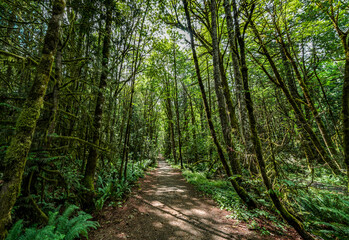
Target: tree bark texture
(220,88)
(92,159)
(16,154)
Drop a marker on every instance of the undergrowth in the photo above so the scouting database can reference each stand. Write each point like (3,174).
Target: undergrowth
(325,213)
(72,224)
(67,226)
(224,194)
(115,190)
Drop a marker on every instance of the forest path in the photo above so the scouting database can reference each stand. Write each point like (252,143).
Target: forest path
(166,207)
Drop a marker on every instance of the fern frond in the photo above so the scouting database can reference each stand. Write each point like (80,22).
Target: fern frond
(62,222)
(80,226)
(15,231)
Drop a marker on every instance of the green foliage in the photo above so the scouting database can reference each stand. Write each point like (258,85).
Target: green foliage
(115,189)
(221,191)
(327,213)
(224,194)
(68,226)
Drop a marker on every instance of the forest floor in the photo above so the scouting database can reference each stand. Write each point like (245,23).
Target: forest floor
(165,207)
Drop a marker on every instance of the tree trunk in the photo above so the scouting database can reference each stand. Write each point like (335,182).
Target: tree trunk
(220,88)
(306,143)
(345,112)
(254,134)
(58,79)
(16,154)
(124,157)
(299,114)
(250,202)
(92,159)
(172,132)
(324,134)
(177,108)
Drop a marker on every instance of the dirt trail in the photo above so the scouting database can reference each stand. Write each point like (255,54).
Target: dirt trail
(167,207)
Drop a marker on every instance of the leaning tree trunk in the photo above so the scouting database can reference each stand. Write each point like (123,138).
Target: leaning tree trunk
(306,144)
(324,133)
(288,216)
(298,113)
(16,154)
(92,159)
(246,198)
(344,36)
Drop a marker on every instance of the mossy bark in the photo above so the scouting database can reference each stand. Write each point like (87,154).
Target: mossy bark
(58,78)
(345,105)
(92,160)
(306,143)
(249,201)
(298,113)
(344,36)
(345,114)
(237,74)
(16,154)
(254,134)
(124,158)
(324,134)
(221,88)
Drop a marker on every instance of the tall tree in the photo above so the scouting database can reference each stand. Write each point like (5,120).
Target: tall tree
(16,154)
(250,202)
(286,214)
(92,159)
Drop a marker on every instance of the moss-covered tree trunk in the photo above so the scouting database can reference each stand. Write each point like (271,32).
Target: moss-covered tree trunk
(345,96)
(16,154)
(92,159)
(344,36)
(220,87)
(58,78)
(306,143)
(289,217)
(345,112)
(250,202)
(298,113)
(324,134)
(125,151)
(237,75)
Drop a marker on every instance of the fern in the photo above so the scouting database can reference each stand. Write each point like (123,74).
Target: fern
(80,225)
(329,214)
(15,231)
(62,222)
(59,227)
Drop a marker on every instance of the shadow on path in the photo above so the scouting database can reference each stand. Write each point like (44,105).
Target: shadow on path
(166,207)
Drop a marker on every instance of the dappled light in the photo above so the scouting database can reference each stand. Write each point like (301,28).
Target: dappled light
(174,119)
(173,209)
